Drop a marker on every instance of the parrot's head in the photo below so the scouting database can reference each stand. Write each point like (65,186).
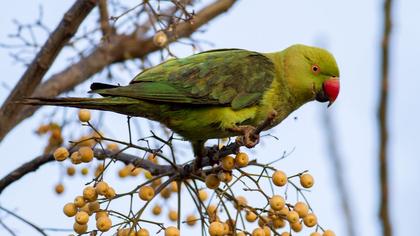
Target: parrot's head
(312,73)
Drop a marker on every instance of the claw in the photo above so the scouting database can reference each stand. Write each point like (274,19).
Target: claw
(249,137)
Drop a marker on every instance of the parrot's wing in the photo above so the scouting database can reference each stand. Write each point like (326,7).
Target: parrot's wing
(227,77)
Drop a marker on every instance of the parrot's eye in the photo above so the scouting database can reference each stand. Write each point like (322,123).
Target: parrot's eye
(315,69)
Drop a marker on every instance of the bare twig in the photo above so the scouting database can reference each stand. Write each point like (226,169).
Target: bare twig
(337,167)
(104,18)
(42,62)
(119,49)
(7,228)
(24,220)
(383,122)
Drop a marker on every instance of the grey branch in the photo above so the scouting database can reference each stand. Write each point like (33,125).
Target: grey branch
(118,49)
(42,62)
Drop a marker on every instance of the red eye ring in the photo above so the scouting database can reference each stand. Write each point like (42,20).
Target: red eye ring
(315,69)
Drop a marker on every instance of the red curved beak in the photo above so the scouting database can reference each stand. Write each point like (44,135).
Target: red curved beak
(331,88)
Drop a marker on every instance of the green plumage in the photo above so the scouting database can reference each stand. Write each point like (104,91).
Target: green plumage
(204,96)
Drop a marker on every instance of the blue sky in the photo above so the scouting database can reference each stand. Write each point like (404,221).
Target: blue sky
(351,31)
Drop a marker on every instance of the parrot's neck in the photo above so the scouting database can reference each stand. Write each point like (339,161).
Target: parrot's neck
(285,94)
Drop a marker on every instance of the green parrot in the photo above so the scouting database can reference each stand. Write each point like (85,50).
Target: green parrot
(219,93)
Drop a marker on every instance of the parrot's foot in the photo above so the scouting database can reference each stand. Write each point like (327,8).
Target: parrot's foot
(251,134)
(250,138)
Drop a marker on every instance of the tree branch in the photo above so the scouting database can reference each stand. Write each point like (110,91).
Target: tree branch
(213,156)
(383,121)
(104,18)
(42,62)
(118,49)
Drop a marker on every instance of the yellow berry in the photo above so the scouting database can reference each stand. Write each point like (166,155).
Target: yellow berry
(80,228)
(301,208)
(82,217)
(156,183)
(160,39)
(42,129)
(240,233)
(277,202)
(103,224)
(148,175)
(79,201)
(70,209)
(84,115)
(279,178)
(172,231)
(315,234)
(174,186)
(292,217)
(142,232)
(250,216)
(267,231)
(126,232)
(101,187)
(124,172)
(328,232)
(310,220)
(84,171)
(156,210)
(226,228)
(225,176)
(202,195)
(146,193)
(173,215)
(165,193)
(135,172)
(263,220)
(283,211)
(258,232)
(278,223)
(241,159)
(100,214)
(212,210)
(110,193)
(61,154)
(306,180)
(99,170)
(113,147)
(240,202)
(285,234)
(94,206)
(86,154)
(191,220)
(85,208)
(212,182)
(216,229)
(70,171)
(75,158)
(228,163)
(89,194)
(296,226)
(59,188)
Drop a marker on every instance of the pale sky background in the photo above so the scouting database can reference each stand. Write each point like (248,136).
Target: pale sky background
(350,29)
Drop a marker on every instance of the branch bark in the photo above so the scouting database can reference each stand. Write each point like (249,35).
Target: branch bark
(42,62)
(118,49)
(383,122)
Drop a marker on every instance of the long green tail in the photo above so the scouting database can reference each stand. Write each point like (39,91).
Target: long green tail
(121,105)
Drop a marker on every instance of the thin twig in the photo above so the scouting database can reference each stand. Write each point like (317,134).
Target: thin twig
(383,121)
(24,220)
(42,62)
(338,172)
